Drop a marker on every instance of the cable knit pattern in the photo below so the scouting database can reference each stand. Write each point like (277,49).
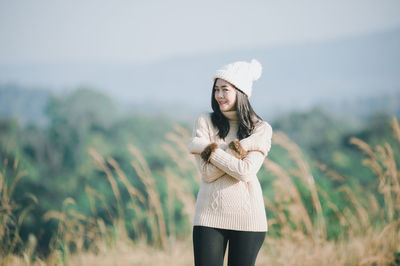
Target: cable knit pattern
(230,194)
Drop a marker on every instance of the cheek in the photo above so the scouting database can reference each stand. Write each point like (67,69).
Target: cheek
(232,98)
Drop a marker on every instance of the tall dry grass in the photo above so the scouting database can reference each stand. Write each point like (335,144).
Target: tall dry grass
(369,227)
(12,215)
(370,231)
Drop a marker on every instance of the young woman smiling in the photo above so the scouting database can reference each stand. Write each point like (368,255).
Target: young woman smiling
(230,145)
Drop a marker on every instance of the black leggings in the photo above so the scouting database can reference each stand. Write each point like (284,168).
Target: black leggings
(209,245)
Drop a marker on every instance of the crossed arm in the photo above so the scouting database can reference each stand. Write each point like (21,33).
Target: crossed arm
(236,161)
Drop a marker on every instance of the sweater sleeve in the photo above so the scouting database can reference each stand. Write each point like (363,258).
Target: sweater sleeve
(209,172)
(197,145)
(200,139)
(245,169)
(259,140)
(242,169)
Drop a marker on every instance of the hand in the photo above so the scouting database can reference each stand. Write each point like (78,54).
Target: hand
(206,153)
(237,150)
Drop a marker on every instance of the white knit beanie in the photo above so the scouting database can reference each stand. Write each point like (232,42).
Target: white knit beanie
(241,74)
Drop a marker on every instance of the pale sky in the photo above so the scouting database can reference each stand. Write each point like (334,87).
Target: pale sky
(122,31)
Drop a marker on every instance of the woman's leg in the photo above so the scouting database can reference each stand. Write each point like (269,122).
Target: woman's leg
(209,245)
(244,247)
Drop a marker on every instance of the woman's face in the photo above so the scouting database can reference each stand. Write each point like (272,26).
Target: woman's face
(225,95)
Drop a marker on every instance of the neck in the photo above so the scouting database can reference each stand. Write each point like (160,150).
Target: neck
(231,115)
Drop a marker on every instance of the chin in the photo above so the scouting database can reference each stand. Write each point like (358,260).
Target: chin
(226,109)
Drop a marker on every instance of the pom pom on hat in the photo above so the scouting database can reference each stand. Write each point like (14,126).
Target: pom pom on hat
(241,74)
(256,69)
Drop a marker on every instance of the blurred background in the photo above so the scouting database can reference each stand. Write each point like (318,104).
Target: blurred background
(98,100)
(160,56)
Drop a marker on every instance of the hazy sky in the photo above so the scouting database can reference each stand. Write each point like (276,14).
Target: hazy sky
(125,31)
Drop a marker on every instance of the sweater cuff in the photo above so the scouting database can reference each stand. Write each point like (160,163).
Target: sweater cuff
(208,151)
(237,150)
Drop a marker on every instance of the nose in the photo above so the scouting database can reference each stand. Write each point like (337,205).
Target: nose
(218,94)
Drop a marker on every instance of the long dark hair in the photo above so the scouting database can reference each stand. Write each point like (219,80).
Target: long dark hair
(246,115)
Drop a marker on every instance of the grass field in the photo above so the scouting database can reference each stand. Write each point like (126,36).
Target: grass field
(368,226)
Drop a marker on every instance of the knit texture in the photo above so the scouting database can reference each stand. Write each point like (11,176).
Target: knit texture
(230,194)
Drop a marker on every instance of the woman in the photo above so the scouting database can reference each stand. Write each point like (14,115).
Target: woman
(230,145)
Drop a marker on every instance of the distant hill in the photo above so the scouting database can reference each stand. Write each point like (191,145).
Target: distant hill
(361,108)
(294,76)
(27,106)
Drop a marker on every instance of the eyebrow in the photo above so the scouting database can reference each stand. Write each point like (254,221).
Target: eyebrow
(220,86)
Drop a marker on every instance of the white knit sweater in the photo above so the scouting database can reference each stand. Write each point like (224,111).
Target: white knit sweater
(230,194)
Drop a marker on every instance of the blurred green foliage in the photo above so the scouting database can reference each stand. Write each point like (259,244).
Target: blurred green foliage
(58,165)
